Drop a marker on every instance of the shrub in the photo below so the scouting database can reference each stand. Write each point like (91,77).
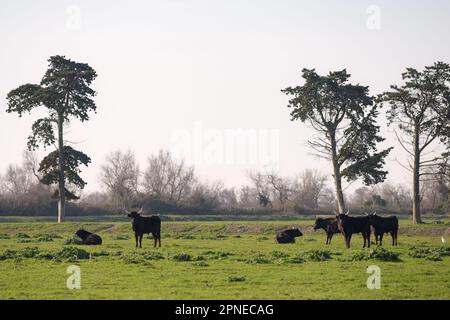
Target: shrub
(73,240)
(100,254)
(200,264)
(72,254)
(236,279)
(279,254)
(133,258)
(24,253)
(259,259)
(45,237)
(182,257)
(379,253)
(295,259)
(4,236)
(216,255)
(153,256)
(28,252)
(7,254)
(23,241)
(316,255)
(140,257)
(46,256)
(432,253)
(22,235)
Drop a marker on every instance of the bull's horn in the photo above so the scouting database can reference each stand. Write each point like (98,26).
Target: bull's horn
(141,210)
(348,211)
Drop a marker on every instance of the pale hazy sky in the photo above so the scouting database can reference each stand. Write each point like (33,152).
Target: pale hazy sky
(168,68)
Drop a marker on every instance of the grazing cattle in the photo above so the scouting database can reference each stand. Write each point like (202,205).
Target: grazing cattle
(288,236)
(88,237)
(145,225)
(350,225)
(382,225)
(330,225)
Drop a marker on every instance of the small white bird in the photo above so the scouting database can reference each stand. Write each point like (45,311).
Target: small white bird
(443,240)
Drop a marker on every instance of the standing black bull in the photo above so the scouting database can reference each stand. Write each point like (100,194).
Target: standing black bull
(288,236)
(330,225)
(350,225)
(146,225)
(88,238)
(382,225)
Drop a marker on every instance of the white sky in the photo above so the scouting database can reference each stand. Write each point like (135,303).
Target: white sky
(170,67)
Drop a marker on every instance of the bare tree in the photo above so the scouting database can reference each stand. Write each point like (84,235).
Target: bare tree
(308,188)
(120,176)
(206,196)
(168,179)
(228,198)
(280,187)
(435,192)
(21,189)
(397,196)
(262,187)
(327,198)
(248,197)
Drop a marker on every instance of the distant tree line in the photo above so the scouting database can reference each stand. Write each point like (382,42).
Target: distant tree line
(168,185)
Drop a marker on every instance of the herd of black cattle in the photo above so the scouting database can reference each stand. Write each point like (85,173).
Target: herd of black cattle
(342,223)
(348,225)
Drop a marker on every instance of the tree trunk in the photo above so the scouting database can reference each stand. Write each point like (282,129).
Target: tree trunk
(416,179)
(337,174)
(61,178)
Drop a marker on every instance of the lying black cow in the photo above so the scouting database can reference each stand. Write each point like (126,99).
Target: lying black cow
(330,225)
(88,237)
(350,225)
(145,225)
(382,225)
(288,236)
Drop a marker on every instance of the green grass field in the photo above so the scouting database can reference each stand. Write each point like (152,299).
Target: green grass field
(219,260)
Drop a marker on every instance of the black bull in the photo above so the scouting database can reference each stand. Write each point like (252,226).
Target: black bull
(350,225)
(330,225)
(145,225)
(382,225)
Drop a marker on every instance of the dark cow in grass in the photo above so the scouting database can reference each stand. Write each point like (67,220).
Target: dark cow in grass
(145,225)
(382,225)
(330,225)
(349,225)
(288,236)
(88,237)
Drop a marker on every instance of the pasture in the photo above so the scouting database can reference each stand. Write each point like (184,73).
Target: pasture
(220,260)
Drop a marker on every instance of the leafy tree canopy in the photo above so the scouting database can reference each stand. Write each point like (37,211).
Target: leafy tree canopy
(64,90)
(422,105)
(344,115)
(73,160)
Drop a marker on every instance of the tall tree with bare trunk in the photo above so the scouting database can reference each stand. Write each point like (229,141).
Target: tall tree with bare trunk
(65,91)
(420,112)
(344,117)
